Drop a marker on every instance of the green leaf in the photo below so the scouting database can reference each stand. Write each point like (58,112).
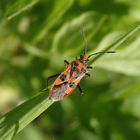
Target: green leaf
(16,7)
(69,37)
(118,42)
(30,133)
(59,9)
(34,50)
(131,97)
(15,120)
(125,61)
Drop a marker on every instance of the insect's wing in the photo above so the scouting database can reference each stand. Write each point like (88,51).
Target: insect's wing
(64,76)
(75,82)
(58,92)
(76,75)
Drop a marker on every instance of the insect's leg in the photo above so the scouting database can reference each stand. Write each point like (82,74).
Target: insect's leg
(50,77)
(66,62)
(79,88)
(87,74)
(89,67)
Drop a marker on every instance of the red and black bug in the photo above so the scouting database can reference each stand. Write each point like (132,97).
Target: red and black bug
(70,78)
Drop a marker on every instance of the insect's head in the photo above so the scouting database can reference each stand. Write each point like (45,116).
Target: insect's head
(84,58)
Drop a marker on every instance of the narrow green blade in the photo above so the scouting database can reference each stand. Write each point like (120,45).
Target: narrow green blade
(15,120)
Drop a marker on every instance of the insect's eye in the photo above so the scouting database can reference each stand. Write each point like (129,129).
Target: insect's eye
(63,77)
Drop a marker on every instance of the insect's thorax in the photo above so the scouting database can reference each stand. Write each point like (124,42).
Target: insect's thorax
(79,65)
(79,68)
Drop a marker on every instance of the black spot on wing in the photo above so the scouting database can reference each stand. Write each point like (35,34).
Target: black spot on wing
(63,77)
(72,85)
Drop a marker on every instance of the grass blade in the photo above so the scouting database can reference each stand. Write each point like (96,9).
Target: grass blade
(118,42)
(60,8)
(15,120)
(18,7)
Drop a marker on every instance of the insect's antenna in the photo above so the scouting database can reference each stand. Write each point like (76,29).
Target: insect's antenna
(84,39)
(101,52)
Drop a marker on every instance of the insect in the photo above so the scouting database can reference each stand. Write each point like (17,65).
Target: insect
(70,78)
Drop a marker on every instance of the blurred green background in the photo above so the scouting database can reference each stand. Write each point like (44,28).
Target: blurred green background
(36,36)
